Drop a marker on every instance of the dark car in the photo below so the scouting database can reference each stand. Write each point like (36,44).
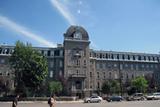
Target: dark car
(114,98)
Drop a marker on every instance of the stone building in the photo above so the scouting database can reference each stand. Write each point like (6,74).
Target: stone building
(83,70)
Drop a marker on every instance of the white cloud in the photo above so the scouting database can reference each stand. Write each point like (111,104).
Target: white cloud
(80,2)
(64,11)
(93,45)
(4,21)
(78,11)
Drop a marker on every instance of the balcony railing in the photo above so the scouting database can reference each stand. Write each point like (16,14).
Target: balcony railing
(77,75)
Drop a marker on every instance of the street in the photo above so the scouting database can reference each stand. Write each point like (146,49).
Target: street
(80,104)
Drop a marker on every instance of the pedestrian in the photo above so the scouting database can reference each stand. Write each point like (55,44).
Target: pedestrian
(51,101)
(15,101)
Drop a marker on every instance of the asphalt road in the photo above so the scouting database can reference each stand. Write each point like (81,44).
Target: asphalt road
(80,104)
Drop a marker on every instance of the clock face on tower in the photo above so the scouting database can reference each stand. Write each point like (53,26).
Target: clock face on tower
(78,35)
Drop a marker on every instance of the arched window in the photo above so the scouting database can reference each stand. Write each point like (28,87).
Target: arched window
(133,57)
(112,56)
(139,57)
(128,57)
(117,56)
(100,55)
(106,56)
(123,57)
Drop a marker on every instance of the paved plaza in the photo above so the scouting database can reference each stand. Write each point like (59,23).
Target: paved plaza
(80,104)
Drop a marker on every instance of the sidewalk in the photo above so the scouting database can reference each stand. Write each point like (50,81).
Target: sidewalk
(25,102)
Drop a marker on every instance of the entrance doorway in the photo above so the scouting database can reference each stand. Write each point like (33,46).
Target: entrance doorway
(79,95)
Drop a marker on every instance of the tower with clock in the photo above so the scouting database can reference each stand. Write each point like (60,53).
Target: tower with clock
(76,61)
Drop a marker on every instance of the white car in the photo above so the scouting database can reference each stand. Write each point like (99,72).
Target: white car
(154,96)
(93,99)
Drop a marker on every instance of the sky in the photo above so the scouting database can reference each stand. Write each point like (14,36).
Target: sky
(112,25)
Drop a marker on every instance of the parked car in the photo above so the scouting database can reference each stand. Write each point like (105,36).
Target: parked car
(154,96)
(136,96)
(114,98)
(93,99)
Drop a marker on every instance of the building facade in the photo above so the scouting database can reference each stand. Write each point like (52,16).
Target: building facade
(83,70)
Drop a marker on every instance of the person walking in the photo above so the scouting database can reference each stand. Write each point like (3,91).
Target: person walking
(51,101)
(15,101)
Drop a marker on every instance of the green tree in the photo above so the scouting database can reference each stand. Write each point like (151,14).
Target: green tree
(55,87)
(115,86)
(30,67)
(110,87)
(140,83)
(4,85)
(106,87)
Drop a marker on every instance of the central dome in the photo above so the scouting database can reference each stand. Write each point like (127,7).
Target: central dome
(73,30)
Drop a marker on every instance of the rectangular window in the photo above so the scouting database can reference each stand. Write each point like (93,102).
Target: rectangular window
(51,74)
(90,54)
(84,53)
(78,62)
(60,73)
(121,66)
(2,61)
(51,64)
(132,67)
(104,75)
(84,62)
(60,63)
(48,53)
(90,74)
(104,65)
(98,75)
(137,68)
(101,65)
(45,53)
(56,53)
(52,53)
(97,65)
(61,52)
(98,85)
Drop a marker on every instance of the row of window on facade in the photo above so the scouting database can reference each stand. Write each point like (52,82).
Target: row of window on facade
(112,75)
(4,74)
(125,57)
(52,64)
(6,51)
(76,53)
(127,66)
(43,52)
(115,77)
(51,53)
(77,62)
(52,73)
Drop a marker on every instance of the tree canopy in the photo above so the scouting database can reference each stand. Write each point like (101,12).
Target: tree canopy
(55,87)
(106,87)
(140,83)
(29,65)
(110,87)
